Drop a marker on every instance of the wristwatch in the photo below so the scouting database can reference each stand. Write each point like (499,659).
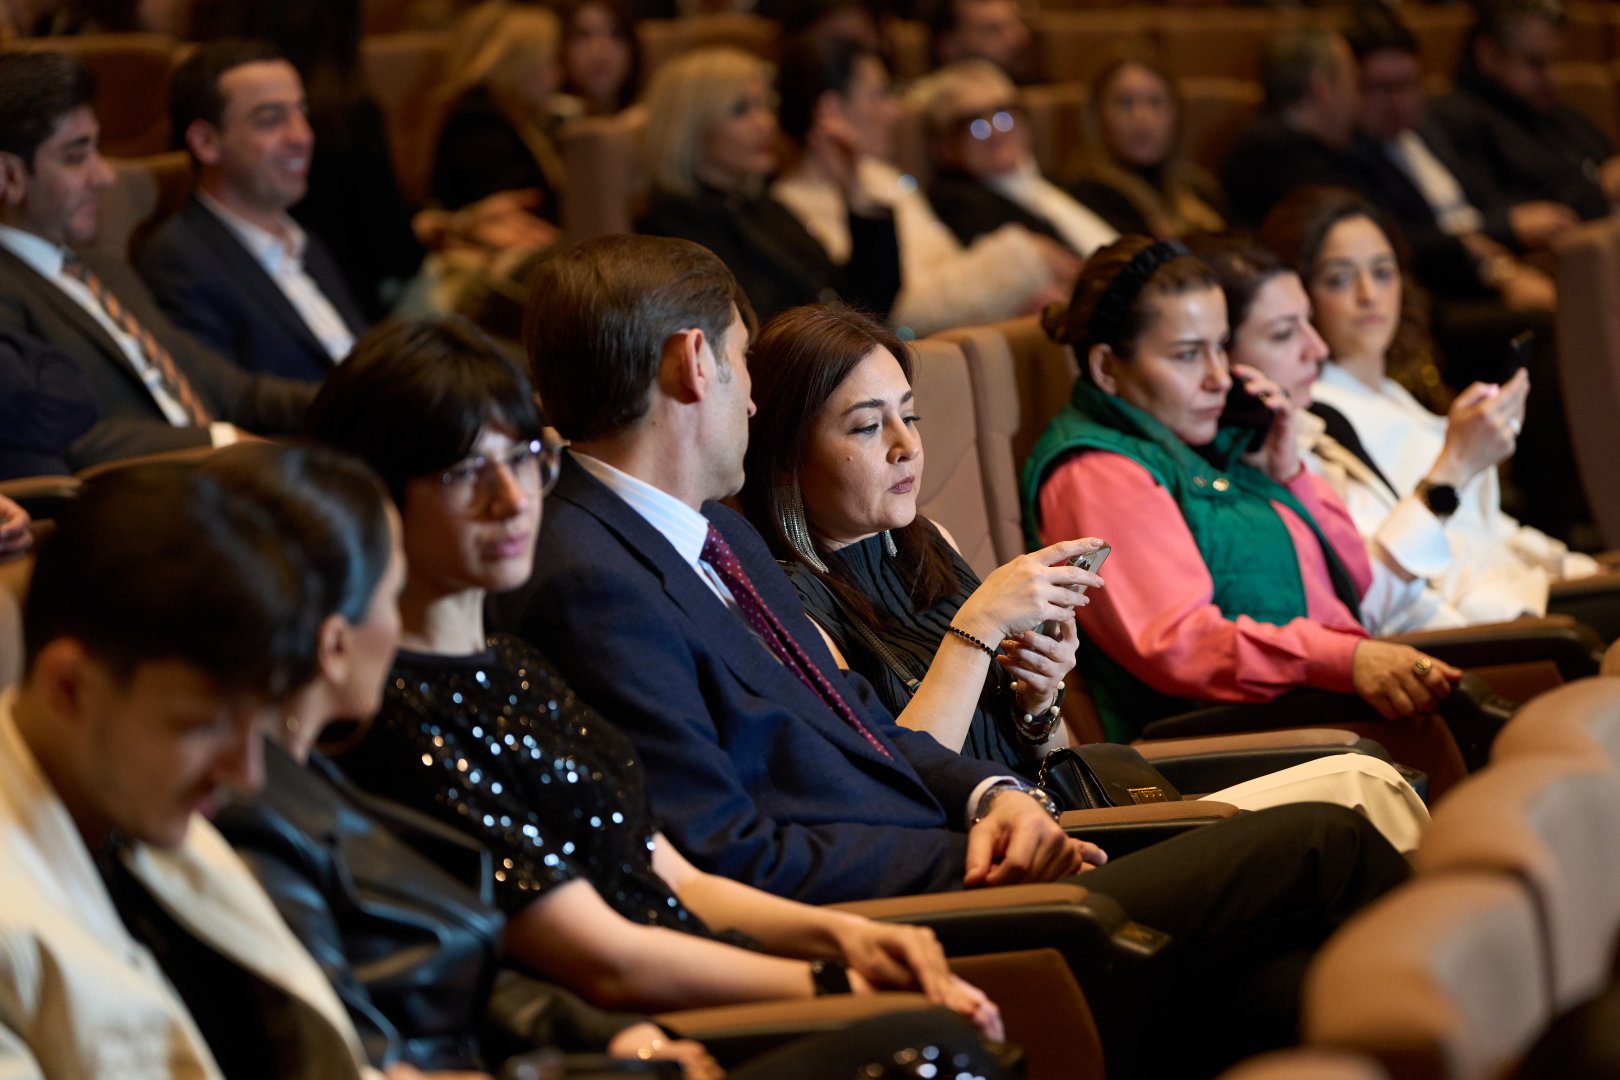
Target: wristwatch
(1441,499)
(829,977)
(1046,801)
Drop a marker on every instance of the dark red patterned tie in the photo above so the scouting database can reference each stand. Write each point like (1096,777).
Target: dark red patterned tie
(718,554)
(174,380)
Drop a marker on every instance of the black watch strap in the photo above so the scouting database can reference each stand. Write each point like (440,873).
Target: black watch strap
(1441,499)
(829,977)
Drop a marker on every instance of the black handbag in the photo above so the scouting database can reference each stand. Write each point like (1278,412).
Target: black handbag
(1103,774)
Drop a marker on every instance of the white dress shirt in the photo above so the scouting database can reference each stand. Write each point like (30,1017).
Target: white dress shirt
(1440,189)
(283,259)
(1079,226)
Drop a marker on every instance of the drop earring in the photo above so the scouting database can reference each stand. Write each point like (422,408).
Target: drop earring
(790,511)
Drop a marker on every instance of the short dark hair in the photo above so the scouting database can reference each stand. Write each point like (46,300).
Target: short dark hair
(194,92)
(329,504)
(1499,20)
(1374,28)
(1290,62)
(811,67)
(162,562)
(802,356)
(412,396)
(37,89)
(1242,265)
(1076,324)
(598,315)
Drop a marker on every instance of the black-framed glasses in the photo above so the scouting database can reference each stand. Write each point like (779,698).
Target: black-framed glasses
(468,485)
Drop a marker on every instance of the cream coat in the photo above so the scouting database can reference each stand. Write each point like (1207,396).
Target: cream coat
(80,998)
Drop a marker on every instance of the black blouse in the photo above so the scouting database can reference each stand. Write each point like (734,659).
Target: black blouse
(913,638)
(498,746)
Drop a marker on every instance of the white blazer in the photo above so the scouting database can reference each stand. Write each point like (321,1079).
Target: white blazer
(80,998)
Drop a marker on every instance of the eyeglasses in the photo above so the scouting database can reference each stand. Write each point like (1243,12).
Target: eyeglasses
(468,486)
(982,126)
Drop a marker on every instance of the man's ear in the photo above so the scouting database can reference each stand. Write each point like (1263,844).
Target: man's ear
(14,177)
(1100,361)
(202,139)
(683,373)
(69,682)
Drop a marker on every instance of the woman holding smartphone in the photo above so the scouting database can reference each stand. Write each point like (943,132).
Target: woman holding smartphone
(1237,574)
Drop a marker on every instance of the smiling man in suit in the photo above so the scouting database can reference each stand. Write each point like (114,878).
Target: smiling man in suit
(769,765)
(154,387)
(232,267)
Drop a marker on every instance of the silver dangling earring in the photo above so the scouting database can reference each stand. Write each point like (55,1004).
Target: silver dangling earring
(292,724)
(790,509)
(888,544)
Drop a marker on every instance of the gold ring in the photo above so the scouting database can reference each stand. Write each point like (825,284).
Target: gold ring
(1422,666)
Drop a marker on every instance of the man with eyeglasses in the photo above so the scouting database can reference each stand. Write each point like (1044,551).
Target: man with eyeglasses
(986,175)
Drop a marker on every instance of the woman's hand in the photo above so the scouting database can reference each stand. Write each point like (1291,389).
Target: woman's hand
(1397,680)
(647,1042)
(887,956)
(1039,663)
(1482,430)
(1023,593)
(835,143)
(15,537)
(1278,456)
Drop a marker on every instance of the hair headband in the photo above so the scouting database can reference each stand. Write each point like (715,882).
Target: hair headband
(1113,309)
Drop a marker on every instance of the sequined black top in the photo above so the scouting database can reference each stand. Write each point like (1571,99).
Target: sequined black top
(498,746)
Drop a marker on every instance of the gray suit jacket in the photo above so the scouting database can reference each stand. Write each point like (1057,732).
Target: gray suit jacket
(130,421)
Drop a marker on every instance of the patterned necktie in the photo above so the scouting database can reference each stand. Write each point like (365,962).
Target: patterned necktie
(718,554)
(174,380)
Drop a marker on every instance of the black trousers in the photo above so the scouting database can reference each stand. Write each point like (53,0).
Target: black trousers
(1246,903)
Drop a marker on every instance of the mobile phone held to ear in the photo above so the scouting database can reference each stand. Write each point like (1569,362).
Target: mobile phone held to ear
(1092,561)
(1244,410)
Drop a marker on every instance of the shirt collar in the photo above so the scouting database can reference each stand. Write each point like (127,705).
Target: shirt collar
(267,248)
(39,253)
(685,528)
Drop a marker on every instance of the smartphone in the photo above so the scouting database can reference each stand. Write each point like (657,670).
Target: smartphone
(1244,410)
(1091,560)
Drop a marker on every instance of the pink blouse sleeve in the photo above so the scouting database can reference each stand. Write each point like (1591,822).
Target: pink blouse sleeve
(1156,616)
(1317,496)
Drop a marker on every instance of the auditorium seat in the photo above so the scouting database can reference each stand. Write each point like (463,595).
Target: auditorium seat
(952,492)
(402,71)
(13,587)
(1579,722)
(1588,324)
(664,39)
(1215,109)
(144,192)
(1222,41)
(1442,979)
(1072,46)
(1440,30)
(1588,33)
(908,48)
(601,157)
(1055,126)
(1307,1063)
(132,86)
(1547,824)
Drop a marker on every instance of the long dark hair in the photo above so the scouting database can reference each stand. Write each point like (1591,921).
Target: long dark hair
(1242,265)
(802,357)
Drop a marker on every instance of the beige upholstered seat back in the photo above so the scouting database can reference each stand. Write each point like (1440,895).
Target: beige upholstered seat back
(1020,380)
(1307,1064)
(132,85)
(1589,361)
(602,157)
(1579,721)
(1443,978)
(402,71)
(952,485)
(1550,823)
(144,192)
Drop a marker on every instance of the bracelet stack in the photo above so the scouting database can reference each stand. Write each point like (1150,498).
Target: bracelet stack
(1035,728)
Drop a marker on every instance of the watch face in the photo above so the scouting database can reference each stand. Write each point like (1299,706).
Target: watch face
(1441,498)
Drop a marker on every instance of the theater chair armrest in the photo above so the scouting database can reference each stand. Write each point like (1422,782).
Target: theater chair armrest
(1212,762)
(1593,600)
(735,1033)
(1092,931)
(1120,830)
(1572,646)
(42,496)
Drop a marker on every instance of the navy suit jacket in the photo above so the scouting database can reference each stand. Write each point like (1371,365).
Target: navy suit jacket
(211,285)
(752,775)
(130,421)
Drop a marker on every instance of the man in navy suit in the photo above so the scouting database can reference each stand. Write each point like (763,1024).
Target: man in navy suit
(232,266)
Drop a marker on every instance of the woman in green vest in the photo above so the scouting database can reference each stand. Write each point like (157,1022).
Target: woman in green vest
(1236,573)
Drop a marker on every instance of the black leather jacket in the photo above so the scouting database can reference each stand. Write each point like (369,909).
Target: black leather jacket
(397,909)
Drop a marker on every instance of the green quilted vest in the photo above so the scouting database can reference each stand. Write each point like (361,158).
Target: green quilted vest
(1227,507)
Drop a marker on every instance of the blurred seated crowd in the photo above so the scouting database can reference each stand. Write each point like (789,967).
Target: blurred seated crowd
(474,642)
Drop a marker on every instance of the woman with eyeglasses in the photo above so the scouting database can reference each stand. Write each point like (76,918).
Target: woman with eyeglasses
(481,732)
(986,175)
(711,149)
(839,115)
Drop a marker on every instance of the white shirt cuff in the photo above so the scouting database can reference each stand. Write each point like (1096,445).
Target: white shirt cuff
(982,788)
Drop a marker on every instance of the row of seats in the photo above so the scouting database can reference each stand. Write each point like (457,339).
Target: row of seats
(1511,922)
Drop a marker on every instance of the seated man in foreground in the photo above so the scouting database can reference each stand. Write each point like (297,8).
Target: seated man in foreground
(666,611)
(133,942)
